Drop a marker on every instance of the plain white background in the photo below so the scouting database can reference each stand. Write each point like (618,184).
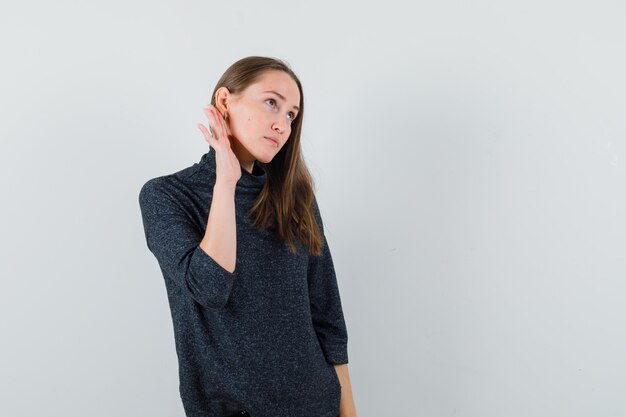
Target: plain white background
(469,162)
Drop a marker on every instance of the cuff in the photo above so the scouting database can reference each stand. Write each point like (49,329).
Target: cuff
(208,281)
(336,354)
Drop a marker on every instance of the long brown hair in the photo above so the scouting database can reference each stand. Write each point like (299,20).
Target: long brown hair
(286,202)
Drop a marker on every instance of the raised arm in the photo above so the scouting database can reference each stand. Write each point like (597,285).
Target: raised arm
(201,262)
(220,239)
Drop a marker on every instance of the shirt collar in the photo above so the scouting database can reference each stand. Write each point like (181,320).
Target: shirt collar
(254,180)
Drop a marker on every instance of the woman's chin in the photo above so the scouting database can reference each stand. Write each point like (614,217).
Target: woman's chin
(266,158)
(266,155)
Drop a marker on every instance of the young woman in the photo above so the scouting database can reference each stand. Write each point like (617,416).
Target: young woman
(258,322)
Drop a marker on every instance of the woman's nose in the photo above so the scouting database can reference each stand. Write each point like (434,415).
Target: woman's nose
(280,125)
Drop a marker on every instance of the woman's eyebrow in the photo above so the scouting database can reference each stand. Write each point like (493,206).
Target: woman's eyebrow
(283,97)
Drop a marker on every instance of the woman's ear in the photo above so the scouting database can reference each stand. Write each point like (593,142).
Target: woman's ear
(222,97)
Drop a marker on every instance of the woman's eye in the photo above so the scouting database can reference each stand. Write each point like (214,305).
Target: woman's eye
(272,103)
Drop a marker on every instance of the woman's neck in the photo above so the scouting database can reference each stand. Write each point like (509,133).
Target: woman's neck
(245,158)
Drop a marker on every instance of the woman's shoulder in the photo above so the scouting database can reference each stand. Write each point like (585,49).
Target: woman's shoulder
(154,192)
(189,177)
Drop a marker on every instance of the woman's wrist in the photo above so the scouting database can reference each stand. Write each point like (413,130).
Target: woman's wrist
(224,187)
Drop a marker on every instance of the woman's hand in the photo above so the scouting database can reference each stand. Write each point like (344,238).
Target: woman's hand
(228,166)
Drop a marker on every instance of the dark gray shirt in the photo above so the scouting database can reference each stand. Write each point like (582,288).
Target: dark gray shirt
(263,338)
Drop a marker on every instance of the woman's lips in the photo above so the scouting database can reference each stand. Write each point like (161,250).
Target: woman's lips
(272,140)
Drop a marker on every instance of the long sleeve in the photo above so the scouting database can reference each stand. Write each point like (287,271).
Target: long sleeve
(326,310)
(174,239)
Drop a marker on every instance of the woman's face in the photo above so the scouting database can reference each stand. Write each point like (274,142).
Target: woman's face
(260,117)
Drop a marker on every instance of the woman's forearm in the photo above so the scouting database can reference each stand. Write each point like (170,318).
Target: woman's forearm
(346,406)
(220,237)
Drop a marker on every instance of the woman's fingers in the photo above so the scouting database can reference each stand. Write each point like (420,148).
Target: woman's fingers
(206,133)
(210,134)
(217,126)
(219,121)
(228,166)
